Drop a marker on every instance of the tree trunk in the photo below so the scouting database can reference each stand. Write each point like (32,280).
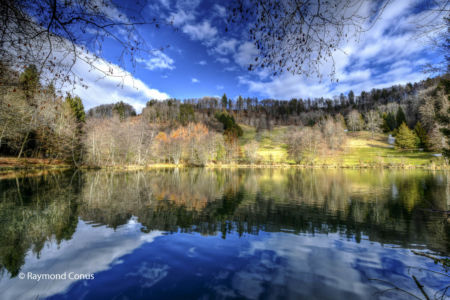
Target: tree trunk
(1,136)
(23,144)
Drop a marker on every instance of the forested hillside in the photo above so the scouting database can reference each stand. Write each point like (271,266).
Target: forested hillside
(38,121)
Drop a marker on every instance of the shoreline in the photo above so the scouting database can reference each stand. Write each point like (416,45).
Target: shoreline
(18,165)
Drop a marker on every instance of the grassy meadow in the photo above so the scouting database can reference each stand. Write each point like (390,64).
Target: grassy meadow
(360,150)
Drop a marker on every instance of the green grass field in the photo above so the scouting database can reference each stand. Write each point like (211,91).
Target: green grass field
(362,149)
(359,150)
(272,148)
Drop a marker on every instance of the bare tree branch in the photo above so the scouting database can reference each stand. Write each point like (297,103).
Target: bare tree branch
(55,34)
(301,36)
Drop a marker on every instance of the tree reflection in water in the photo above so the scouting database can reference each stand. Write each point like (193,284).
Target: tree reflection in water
(396,207)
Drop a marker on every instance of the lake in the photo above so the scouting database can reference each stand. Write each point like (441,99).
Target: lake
(224,234)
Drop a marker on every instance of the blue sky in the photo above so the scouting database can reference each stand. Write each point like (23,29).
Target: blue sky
(204,60)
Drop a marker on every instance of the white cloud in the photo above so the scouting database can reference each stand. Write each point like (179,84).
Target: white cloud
(79,255)
(294,261)
(289,86)
(120,86)
(246,54)
(160,60)
(111,11)
(188,5)
(181,17)
(201,31)
(223,60)
(195,80)
(285,87)
(165,3)
(202,63)
(225,47)
(220,10)
(358,75)
(219,87)
(106,82)
(386,55)
(230,68)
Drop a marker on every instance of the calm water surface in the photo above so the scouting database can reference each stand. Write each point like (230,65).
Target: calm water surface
(224,234)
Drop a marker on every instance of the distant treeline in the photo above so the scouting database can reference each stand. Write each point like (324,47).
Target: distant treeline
(297,111)
(123,110)
(36,121)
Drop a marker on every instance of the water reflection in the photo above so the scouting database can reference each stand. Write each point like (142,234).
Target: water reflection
(90,250)
(265,229)
(390,207)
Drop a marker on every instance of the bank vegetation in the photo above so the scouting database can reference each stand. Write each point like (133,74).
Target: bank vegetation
(39,122)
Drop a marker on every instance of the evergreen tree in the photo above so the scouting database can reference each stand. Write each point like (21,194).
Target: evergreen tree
(29,81)
(240,103)
(124,110)
(229,124)
(77,107)
(187,113)
(406,138)
(224,101)
(422,135)
(351,97)
(119,108)
(391,123)
(400,117)
(446,133)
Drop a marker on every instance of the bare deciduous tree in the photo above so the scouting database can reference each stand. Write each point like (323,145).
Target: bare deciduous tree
(436,139)
(427,113)
(112,142)
(304,141)
(333,134)
(251,151)
(354,120)
(373,122)
(299,36)
(302,36)
(53,35)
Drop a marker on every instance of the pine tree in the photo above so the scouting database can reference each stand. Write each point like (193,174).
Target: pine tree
(446,132)
(351,97)
(389,122)
(406,138)
(77,107)
(400,117)
(29,81)
(186,114)
(240,103)
(224,101)
(229,124)
(422,135)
